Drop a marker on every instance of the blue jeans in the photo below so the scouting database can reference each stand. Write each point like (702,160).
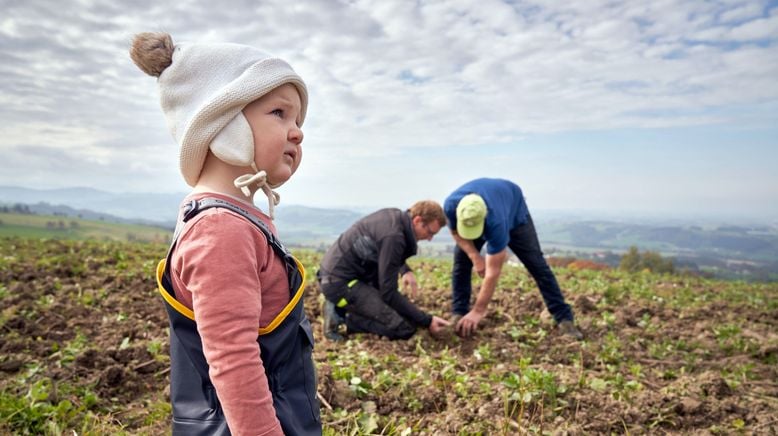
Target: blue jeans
(524,243)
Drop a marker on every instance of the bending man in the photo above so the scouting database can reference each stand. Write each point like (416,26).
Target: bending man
(359,274)
(493,212)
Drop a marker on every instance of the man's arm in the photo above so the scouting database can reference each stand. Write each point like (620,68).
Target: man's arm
(390,260)
(469,323)
(390,263)
(494,264)
(468,247)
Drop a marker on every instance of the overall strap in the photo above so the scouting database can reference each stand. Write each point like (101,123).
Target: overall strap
(194,207)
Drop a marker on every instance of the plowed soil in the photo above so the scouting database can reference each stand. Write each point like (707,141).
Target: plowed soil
(662,354)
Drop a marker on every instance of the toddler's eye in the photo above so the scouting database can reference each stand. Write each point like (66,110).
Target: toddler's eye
(278,112)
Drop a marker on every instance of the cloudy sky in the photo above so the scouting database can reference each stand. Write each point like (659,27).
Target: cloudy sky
(663,108)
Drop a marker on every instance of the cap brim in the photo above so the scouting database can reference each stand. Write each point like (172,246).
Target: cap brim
(470,232)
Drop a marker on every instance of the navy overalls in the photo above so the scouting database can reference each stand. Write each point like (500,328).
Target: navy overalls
(286,347)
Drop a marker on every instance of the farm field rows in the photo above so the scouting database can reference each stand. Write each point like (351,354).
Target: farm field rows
(84,338)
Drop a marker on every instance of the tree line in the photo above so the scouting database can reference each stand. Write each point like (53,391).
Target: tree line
(634,261)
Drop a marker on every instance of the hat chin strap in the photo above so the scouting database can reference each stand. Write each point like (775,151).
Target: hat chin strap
(260,179)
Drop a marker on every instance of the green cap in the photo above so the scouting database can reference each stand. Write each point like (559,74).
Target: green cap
(471,213)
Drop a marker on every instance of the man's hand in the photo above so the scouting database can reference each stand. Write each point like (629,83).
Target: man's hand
(409,281)
(479,264)
(438,326)
(469,323)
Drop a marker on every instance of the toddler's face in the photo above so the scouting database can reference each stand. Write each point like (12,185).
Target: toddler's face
(274,121)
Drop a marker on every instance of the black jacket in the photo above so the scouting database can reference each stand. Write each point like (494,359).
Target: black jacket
(374,250)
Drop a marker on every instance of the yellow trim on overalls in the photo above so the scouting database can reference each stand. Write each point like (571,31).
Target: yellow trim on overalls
(187,312)
(171,300)
(292,303)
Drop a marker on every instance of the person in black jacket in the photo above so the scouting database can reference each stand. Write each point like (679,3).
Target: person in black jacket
(359,274)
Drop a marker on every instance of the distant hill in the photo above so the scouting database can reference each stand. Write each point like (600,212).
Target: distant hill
(757,243)
(732,252)
(296,224)
(145,207)
(61,227)
(739,250)
(310,225)
(43,208)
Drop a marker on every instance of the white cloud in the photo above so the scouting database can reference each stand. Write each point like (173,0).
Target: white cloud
(746,11)
(388,79)
(761,29)
(518,74)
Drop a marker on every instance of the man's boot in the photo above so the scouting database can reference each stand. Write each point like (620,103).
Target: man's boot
(568,328)
(331,321)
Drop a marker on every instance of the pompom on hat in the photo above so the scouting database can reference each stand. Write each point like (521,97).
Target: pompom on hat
(203,91)
(471,215)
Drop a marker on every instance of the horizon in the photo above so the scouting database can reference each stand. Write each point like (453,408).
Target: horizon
(548,214)
(647,110)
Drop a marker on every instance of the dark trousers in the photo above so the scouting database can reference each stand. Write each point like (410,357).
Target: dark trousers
(366,312)
(524,243)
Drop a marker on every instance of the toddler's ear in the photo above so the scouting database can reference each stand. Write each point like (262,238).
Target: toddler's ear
(234,144)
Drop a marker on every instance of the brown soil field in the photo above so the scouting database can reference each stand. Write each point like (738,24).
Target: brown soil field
(83,350)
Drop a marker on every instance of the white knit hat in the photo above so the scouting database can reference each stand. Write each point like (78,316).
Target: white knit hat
(203,93)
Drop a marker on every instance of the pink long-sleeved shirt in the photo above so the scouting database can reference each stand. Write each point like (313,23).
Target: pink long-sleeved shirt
(226,272)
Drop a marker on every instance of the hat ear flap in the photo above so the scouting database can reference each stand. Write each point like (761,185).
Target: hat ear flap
(234,144)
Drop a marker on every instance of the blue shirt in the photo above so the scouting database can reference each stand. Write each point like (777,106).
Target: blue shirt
(505,207)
